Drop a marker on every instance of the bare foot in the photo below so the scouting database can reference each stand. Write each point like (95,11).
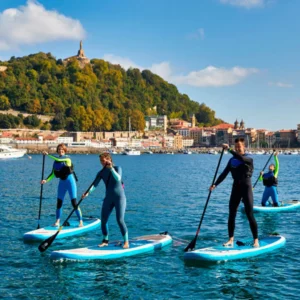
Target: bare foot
(80,223)
(103,244)
(229,243)
(256,243)
(126,245)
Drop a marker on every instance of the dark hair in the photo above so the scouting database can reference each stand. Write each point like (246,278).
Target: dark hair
(237,140)
(61,146)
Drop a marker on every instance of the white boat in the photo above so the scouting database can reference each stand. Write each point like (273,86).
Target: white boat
(113,152)
(9,152)
(131,152)
(187,152)
(148,152)
(214,152)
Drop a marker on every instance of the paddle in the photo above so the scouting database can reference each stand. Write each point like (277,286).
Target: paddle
(192,244)
(47,243)
(41,192)
(263,168)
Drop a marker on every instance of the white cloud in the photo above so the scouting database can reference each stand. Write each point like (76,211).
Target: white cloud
(32,24)
(215,77)
(281,84)
(209,77)
(198,35)
(245,3)
(126,63)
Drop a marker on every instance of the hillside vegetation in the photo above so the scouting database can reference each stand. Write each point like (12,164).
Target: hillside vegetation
(100,96)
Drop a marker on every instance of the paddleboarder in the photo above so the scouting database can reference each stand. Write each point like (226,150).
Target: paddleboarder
(63,169)
(270,182)
(241,168)
(114,197)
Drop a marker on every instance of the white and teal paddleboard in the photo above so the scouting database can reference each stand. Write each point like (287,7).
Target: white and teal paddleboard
(73,229)
(139,245)
(221,253)
(285,206)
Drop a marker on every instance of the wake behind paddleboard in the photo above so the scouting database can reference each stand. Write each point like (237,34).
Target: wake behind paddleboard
(44,233)
(221,253)
(139,245)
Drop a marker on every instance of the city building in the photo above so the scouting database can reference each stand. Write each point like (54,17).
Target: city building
(156,122)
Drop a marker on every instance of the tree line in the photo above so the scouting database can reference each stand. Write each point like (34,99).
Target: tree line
(98,97)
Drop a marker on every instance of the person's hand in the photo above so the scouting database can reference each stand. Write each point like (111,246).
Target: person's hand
(43,181)
(84,195)
(276,153)
(212,188)
(45,152)
(225,146)
(262,173)
(108,163)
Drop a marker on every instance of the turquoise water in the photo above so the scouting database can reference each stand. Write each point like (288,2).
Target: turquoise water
(164,193)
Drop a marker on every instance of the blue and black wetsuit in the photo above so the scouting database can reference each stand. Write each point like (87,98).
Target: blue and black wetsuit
(270,182)
(63,169)
(114,198)
(241,168)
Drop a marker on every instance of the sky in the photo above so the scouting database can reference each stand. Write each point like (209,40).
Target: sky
(239,57)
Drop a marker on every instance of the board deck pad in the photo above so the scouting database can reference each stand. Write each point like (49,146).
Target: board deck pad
(222,253)
(115,250)
(44,233)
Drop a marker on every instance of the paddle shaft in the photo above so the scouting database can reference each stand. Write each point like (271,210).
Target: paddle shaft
(263,169)
(41,192)
(193,242)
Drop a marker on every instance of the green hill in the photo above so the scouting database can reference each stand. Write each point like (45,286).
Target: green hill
(99,96)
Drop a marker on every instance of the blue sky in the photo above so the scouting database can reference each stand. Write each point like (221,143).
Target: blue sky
(239,57)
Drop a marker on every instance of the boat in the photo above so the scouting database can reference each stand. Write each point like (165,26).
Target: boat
(213,152)
(131,152)
(148,152)
(285,206)
(239,250)
(70,230)
(187,152)
(112,151)
(9,152)
(138,245)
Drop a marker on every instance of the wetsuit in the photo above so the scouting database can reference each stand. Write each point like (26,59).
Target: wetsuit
(63,169)
(270,182)
(241,168)
(114,198)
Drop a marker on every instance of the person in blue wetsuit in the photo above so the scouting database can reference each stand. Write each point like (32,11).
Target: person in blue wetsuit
(63,169)
(270,182)
(114,197)
(241,168)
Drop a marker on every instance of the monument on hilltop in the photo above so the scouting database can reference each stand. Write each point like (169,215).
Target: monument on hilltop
(80,57)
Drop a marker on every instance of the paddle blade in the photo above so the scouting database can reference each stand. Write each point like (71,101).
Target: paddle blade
(47,243)
(191,245)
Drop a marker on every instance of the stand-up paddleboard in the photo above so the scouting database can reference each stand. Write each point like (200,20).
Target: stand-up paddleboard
(221,253)
(139,245)
(73,229)
(285,206)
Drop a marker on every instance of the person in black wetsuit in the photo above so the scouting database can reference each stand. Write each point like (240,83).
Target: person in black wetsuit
(241,168)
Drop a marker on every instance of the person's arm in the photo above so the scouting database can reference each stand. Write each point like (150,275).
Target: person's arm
(276,166)
(51,176)
(245,158)
(117,173)
(95,183)
(67,160)
(223,175)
